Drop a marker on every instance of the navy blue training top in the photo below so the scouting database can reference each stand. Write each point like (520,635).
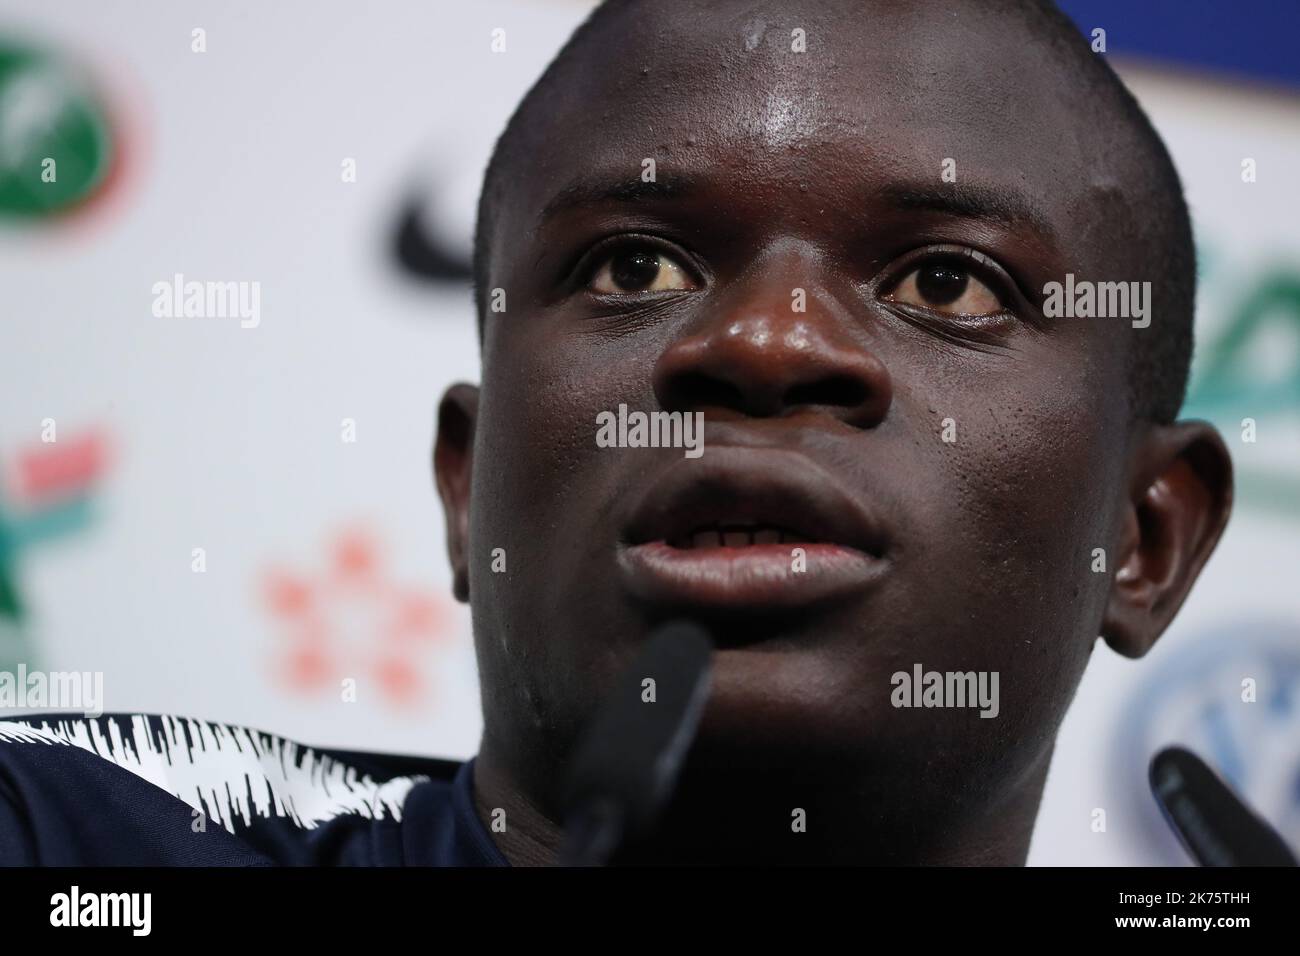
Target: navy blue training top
(136,789)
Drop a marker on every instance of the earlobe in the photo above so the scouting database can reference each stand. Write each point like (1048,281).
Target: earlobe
(1179,501)
(453,467)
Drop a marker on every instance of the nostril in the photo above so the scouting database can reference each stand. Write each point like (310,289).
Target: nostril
(843,391)
(698,390)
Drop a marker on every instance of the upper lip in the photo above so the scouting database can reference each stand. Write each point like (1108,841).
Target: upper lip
(768,486)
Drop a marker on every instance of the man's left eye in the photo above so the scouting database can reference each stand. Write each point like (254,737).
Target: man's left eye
(639,270)
(947,288)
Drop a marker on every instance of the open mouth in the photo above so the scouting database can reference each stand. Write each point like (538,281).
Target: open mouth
(739,534)
(749,528)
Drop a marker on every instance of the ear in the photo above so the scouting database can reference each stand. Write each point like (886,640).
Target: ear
(1180,495)
(453,469)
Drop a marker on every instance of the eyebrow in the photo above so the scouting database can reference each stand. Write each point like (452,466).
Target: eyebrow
(587,191)
(993,204)
(972,201)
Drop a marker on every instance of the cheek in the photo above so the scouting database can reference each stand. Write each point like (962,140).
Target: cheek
(1040,480)
(543,490)
(543,390)
(549,633)
(1004,547)
(1037,486)
(1033,480)
(536,428)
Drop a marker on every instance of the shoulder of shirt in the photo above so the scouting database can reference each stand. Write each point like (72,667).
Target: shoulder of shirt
(234,774)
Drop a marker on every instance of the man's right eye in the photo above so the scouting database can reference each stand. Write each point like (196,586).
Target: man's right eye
(632,271)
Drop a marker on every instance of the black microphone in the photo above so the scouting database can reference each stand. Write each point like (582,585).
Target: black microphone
(627,760)
(1214,825)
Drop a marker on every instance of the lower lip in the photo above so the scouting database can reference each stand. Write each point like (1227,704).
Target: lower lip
(757,576)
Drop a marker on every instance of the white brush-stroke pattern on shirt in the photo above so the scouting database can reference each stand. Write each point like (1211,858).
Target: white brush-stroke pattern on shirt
(231,774)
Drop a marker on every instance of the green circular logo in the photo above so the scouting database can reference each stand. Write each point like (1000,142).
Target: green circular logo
(55,145)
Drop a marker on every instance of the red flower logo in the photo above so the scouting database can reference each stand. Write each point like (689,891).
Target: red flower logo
(351,621)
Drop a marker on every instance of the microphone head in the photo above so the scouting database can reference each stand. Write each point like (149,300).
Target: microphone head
(631,752)
(1214,825)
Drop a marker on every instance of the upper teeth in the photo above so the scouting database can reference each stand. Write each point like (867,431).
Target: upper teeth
(736,536)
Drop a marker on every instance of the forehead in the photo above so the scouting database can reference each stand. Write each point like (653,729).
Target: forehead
(881,94)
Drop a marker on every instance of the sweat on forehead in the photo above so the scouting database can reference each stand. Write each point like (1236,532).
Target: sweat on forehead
(1036,121)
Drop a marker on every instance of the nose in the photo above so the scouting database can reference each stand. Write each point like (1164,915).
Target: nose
(757,354)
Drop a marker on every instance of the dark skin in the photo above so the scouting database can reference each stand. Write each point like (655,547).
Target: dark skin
(781,171)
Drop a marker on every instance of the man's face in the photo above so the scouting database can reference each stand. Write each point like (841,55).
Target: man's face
(864,337)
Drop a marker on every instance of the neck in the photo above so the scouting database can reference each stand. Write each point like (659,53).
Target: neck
(742,818)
